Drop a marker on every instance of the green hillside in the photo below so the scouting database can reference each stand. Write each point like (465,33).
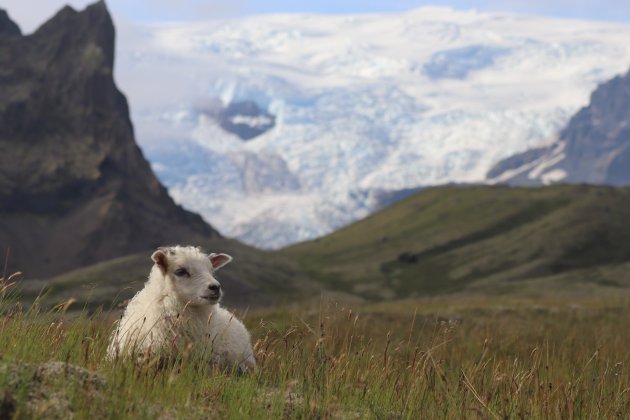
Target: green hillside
(489,239)
(255,278)
(497,240)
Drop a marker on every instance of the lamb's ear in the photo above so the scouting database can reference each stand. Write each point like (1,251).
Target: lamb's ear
(159,258)
(219,260)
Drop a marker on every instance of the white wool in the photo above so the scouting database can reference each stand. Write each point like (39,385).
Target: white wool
(174,309)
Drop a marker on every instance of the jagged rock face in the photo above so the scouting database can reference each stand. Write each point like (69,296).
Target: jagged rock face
(74,186)
(594,147)
(246,120)
(7,26)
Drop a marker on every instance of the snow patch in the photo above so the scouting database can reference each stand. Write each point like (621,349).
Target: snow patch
(553,176)
(556,156)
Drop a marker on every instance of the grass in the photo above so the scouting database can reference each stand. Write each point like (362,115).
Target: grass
(443,240)
(496,239)
(449,357)
(530,305)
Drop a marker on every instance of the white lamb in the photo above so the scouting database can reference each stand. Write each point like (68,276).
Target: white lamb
(179,308)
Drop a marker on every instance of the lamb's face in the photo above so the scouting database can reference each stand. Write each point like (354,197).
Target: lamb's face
(190,273)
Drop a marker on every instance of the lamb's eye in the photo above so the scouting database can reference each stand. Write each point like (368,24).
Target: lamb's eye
(180,272)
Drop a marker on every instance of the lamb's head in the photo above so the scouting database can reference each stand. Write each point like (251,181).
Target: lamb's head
(189,272)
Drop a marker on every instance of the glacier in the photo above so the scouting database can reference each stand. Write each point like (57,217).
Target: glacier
(354,107)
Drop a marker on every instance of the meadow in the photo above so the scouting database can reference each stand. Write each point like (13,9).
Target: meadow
(447,357)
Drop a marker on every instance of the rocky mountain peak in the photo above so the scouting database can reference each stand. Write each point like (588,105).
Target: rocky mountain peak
(92,27)
(7,26)
(74,186)
(593,148)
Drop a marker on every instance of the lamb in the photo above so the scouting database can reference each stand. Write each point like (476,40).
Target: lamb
(179,305)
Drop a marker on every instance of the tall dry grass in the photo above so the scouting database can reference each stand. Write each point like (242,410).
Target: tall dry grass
(482,361)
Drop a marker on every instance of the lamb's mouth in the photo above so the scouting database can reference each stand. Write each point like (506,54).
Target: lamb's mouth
(211,298)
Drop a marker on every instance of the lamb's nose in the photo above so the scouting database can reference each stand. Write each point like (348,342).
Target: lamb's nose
(214,287)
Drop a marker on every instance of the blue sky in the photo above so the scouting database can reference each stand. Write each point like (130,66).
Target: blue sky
(29,17)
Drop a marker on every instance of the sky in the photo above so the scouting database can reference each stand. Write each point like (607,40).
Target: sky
(31,13)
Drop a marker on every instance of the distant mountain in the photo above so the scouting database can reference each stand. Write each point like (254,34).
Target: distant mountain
(480,239)
(7,26)
(74,186)
(313,118)
(594,147)
(76,193)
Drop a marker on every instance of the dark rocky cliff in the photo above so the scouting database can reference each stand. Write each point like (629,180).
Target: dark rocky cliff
(74,186)
(7,26)
(594,147)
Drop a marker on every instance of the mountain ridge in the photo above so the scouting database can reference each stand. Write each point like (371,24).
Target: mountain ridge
(594,147)
(7,26)
(71,172)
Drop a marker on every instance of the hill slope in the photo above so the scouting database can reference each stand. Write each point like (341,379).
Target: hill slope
(494,239)
(254,279)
